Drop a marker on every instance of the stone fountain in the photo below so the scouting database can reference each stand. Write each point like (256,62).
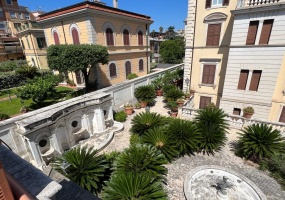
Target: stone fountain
(217,183)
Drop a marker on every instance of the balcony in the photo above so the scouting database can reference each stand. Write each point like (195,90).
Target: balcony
(28,26)
(249,3)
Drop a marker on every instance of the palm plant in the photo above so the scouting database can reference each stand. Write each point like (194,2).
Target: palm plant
(259,141)
(142,159)
(173,94)
(86,168)
(212,126)
(158,138)
(127,186)
(167,88)
(145,93)
(185,135)
(144,121)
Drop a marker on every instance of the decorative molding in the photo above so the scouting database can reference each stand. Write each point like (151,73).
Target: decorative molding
(213,60)
(217,16)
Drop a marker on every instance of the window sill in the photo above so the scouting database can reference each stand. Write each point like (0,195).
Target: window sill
(207,85)
(216,7)
(113,77)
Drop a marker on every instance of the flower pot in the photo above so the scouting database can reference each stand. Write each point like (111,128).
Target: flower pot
(180,103)
(247,115)
(173,114)
(192,92)
(129,110)
(187,96)
(175,109)
(159,92)
(143,104)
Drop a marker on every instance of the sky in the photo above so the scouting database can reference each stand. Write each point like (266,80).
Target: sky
(164,13)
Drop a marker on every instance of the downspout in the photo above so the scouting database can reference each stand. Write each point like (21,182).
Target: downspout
(146,28)
(63,32)
(34,50)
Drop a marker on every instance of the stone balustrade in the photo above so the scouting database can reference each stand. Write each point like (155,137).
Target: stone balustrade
(247,3)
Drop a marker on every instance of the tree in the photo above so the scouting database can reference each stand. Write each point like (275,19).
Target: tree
(160,30)
(153,33)
(170,33)
(86,167)
(72,58)
(172,51)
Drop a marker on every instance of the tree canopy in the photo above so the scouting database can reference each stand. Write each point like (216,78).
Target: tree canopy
(72,58)
(172,51)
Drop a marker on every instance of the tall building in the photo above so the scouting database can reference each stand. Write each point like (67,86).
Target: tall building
(124,33)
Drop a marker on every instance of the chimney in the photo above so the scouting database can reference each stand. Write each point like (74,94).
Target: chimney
(115,3)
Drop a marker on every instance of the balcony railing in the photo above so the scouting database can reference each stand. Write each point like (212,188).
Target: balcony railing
(247,3)
(28,26)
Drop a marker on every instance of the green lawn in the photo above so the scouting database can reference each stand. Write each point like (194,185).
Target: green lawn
(4,93)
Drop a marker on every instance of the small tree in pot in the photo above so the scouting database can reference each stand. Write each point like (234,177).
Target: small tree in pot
(145,94)
(248,112)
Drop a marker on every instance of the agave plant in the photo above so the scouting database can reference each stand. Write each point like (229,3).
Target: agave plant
(144,121)
(158,138)
(142,159)
(145,93)
(185,135)
(86,168)
(212,125)
(259,141)
(127,186)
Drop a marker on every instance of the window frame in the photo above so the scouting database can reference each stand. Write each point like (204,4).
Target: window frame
(109,35)
(41,41)
(264,33)
(15,17)
(248,72)
(140,38)
(251,81)
(209,61)
(203,75)
(141,70)
(110,75)
(75,39)
(54,38)
(128,61)
(248,32)
(27,16)
(126,37)
(211,98)
(8,3)
(20,15)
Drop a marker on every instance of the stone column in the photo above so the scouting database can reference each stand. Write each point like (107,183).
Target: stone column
(36,153)
(55,143)
(99,119)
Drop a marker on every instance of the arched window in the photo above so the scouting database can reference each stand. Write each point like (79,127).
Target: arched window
(141,65)
(112,69)
(109,37)
(126,37)
(56,38)
(75,36)
(128,68)
(140,38)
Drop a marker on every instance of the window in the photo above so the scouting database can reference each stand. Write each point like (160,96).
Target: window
(75,36)
(242,79)
(210,3)
(41,42)
(209,74)
(27,16)
(113,71)
(256,74)
(17,26)
(28,42)
(282,115)
(13,15)
(252,31)
(22,43)
(266,31)
(213,36)
(128,68)
(20,15)
(1,13)
(140,38)
(236,111)
(109,37)
(56,38)
(141,65)
(204,102)
(126,37)
(9,2)
(2,26)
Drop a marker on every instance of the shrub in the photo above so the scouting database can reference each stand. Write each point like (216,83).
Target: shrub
(145,93)
(121,116)
(27,71)
(157,83)
(135,139)
(173,94)
(248,110)
(70,82)
(4,116)
(12,81)
(133,186)
(167,87)
(132,76)
(259,141)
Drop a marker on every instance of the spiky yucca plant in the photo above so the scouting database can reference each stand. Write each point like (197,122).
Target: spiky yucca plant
(145,93)
(212,125)
(142,159)
(86,168)
(126,186)
(259,141)
(185,135)
(144,121)
(158,138)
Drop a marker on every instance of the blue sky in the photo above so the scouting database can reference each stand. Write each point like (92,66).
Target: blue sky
(165,13)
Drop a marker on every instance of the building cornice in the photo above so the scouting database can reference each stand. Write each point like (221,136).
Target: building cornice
(260,8)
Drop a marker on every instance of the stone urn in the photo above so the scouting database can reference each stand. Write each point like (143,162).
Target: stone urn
(247,115)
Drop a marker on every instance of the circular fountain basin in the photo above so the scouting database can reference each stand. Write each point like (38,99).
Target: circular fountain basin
(202,184)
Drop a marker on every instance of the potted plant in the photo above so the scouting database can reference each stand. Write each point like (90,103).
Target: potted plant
(132,76)
(157,84)
(129,109)
(180,102)
(187,96)
(192,91)
(145,94)
(173,94)
(248,112)
(172,105)
(137,105)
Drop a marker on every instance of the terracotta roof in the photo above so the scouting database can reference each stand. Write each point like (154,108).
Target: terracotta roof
(94,6)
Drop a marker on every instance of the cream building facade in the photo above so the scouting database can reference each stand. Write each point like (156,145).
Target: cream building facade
(124,33)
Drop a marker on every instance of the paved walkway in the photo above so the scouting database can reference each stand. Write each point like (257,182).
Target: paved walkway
(178,170)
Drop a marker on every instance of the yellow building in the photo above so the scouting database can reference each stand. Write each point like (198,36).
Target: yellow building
(123,32)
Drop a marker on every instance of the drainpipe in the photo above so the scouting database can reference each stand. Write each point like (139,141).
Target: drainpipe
(63,32)
(146,30)
(34,50)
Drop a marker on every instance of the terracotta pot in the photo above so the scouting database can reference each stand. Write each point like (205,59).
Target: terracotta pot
(247,115)
(180,103)
(173,114)
(129,110)
(174,109)
(192,92)
(158,92)
(187,96)
(143,104)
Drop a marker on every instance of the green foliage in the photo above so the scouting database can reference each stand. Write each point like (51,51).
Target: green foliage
(160,139)
(12,81)
(157,83)
(27,71)
(132,76)
(172,51)
(70,82)
(248,110)
(9,65)
(142,159)
(167,88)
(144,121)
(259,141)
(127,186)
(71,58)
(135,139)
(172,105)
(86,167)
(173,94)
(39,88)
(121,116)
(145,93)
(4,116)
(212,125)
(153,65)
